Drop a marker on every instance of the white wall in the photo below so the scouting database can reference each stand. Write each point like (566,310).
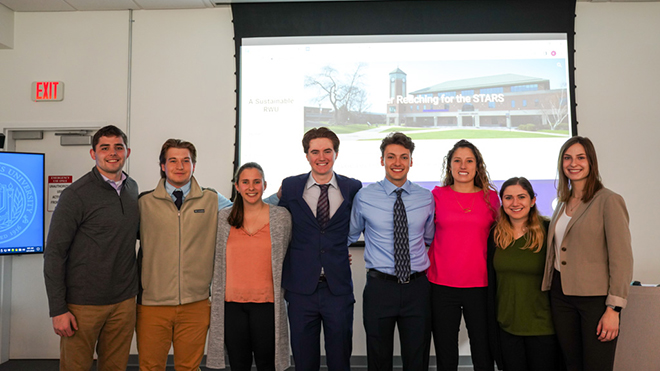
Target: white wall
(88,52)
(183,86)
(617,75)
(6,28)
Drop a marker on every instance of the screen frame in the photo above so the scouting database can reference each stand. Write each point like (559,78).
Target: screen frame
(402,18)
(43,205)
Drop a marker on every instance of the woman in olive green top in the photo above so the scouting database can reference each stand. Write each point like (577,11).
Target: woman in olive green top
(522,332)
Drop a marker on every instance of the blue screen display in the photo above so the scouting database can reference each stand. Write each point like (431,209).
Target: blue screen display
(21,203)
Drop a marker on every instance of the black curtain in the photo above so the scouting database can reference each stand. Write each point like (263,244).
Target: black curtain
(402,17)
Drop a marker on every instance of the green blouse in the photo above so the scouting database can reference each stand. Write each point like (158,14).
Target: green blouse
(522,308)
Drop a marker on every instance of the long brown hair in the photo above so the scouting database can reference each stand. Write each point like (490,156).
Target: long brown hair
(235,218)
(481,178)
(593,182)
(535,234)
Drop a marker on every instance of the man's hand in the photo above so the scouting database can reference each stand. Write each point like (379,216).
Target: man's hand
(608,326)
(65,324)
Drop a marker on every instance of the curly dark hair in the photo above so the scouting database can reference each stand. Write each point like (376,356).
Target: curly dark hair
(397,138)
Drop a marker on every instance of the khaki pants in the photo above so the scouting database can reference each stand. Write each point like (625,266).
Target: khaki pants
(109,328)
(184,325)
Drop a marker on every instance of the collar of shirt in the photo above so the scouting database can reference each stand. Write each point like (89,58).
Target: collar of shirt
(372,213)
(389,187)
(170,189)
(116,185)
(311,194)
(311,182)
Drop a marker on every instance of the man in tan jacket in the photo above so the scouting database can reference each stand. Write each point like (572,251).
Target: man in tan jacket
(178,224)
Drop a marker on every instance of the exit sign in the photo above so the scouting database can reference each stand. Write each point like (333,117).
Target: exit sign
(47,91)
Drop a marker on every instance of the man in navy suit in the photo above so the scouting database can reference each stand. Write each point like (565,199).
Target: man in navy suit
(317,272)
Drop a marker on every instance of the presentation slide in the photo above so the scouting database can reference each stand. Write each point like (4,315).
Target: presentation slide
(21,203)
(506,93)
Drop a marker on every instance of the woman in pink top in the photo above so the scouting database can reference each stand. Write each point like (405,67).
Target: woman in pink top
(465,209)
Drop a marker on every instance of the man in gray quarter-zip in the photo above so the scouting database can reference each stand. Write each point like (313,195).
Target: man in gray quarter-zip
(178,224)
(89,261)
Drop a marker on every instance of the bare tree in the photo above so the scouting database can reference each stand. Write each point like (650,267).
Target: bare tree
(344,91)
(555,111)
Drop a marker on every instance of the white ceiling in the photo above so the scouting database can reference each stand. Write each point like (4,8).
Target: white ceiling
(75,5)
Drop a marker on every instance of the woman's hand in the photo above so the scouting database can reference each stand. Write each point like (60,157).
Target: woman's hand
(608,326)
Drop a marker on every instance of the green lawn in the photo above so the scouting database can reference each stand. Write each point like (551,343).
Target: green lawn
(474,134)
(447,134)
(565,132)
(400,128)
(347,129)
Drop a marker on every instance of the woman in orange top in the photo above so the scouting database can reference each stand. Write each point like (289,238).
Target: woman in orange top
(247,313)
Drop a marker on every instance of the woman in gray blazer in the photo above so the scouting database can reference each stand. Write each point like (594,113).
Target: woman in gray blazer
(589,260)
(248,314)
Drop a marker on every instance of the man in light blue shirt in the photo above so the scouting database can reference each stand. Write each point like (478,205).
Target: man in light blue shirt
(396,217)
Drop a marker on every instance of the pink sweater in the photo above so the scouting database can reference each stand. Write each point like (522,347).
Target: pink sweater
(458,251)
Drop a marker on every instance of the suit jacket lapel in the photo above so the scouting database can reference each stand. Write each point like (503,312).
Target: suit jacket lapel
(299,197)
(343,187)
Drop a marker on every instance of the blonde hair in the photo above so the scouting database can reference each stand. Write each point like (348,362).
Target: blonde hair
(536,232)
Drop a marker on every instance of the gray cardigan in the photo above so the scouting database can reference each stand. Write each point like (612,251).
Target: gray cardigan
(280,235)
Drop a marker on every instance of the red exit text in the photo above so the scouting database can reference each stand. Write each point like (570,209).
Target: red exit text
(47,91)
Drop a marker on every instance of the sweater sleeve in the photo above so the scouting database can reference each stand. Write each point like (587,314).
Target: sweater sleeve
(287,225)
(215,357)
(283,201)
(64,224)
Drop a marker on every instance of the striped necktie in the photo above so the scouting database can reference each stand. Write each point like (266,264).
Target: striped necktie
(323,206)
(401,241)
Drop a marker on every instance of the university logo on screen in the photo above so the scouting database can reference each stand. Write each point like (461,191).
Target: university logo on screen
(17,202)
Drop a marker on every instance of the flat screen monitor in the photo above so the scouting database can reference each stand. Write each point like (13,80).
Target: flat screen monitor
(21,203)
(506,93)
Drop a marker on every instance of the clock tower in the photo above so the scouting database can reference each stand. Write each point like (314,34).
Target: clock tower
(395,111)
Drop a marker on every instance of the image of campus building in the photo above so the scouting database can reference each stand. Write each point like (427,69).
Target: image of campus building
(506,100)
